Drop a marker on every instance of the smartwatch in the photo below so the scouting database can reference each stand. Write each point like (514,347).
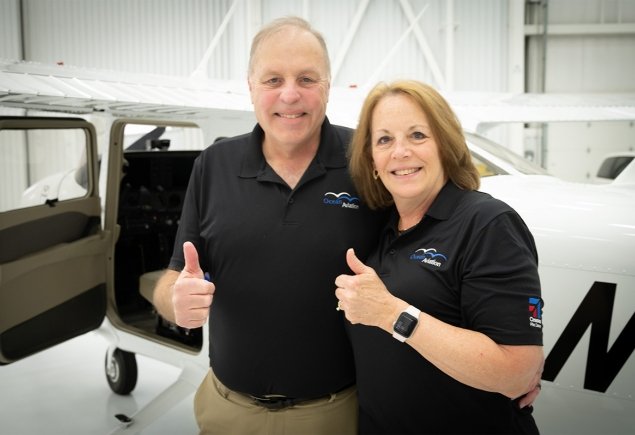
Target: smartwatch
(406,323)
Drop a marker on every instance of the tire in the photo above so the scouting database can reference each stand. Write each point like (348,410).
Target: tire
(121,373)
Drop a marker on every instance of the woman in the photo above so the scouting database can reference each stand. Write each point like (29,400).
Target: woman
(451,279)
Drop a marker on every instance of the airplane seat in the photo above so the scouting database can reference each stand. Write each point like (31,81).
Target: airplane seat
(147,282)
(151,195)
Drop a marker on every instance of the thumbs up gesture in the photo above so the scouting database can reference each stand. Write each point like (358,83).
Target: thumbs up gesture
(192,295)
(364,298)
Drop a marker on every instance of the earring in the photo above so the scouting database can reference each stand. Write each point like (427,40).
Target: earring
(375,174)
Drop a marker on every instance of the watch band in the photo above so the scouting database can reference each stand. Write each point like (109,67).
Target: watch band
(414,311)
(412,323)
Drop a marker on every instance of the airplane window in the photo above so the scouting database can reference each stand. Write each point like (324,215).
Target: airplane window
(506,157)
(41,166)
(485,169)
(613,166)
(142,137)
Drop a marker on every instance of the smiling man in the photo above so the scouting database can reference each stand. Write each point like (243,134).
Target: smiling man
(269,215)
(289,85)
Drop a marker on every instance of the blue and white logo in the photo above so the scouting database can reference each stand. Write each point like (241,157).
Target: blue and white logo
(429,256)
(342,199)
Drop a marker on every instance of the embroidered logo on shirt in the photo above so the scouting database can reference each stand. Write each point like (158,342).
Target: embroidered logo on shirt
(535,312)
(342,199)
(429,256)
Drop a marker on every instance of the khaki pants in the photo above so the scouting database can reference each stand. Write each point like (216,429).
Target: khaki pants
(222,411)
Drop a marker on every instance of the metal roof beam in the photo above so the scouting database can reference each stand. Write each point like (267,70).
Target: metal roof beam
(439,78)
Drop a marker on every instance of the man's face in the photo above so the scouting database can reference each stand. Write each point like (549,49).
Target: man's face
(289,87)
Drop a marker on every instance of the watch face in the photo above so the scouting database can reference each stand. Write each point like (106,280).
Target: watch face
(405,324)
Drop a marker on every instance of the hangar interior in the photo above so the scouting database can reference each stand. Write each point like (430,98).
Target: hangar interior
(483,46)
(499,46)
(579,50)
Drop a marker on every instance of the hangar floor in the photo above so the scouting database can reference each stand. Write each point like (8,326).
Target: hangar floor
(64,391)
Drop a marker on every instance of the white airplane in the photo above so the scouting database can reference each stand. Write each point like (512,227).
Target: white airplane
(82,244)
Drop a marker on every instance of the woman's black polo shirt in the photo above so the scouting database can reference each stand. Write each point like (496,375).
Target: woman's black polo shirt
(273,254)
(471,262)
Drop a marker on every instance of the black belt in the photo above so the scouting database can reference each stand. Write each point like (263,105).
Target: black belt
(276,402)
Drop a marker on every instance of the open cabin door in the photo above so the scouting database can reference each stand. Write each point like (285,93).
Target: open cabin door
(52,244)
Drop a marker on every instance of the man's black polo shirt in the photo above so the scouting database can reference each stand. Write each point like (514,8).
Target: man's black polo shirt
(471,262)
(273,254)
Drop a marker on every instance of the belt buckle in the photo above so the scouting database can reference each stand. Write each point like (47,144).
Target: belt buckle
(273,403)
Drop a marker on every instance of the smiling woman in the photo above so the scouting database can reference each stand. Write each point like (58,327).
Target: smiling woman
(437,281)
(406,156)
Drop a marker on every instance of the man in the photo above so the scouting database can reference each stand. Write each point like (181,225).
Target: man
(269,215)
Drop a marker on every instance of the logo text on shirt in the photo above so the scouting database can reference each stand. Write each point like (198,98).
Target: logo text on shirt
(535,312)
(429,256)
(342,199)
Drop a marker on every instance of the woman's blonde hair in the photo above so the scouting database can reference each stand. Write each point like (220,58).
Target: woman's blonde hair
(445,127)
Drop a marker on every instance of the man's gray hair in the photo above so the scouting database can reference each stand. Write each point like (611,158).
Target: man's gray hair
(279,24)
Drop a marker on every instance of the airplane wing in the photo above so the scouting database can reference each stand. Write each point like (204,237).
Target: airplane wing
(478,110)
(78,90)
(31,85)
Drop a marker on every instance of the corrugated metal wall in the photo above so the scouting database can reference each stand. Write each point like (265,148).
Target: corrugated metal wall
(171,36)
(147,36)
(10,29)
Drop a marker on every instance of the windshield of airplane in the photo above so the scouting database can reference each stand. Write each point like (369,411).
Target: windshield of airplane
(483,147)
(147,137)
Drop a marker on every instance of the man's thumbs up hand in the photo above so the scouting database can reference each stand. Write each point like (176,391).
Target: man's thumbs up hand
(192,266)
(191,295)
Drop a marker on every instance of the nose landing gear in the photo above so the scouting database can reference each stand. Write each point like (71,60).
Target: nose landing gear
(121,371)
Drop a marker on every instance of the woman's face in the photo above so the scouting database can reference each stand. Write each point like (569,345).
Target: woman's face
(404,152)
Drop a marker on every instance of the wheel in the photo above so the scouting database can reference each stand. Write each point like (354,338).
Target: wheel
(121,371)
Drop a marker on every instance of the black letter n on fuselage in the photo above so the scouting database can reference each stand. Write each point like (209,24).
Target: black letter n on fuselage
(603,365)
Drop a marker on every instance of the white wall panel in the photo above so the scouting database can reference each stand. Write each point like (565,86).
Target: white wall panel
(379,51)
(11,39)
(172,36)
(587,144)
(147,36)
(278,8)
(481,45)
(590,49)
(591,11)
(602,63)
